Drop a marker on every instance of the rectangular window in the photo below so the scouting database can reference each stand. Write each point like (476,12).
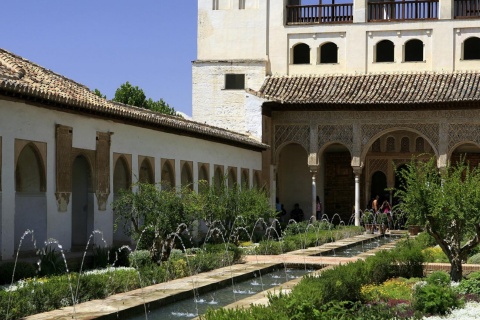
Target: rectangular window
(215,5)
(241,4)
(234,81)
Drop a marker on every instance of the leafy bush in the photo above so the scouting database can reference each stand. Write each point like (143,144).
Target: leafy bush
(380,267)
(439,278)
(469,286)
(392,289)
(51,262)
(475,259)
(23,270)
(140,258)
(435,299)
(434,254)
(101,256)
(408,259)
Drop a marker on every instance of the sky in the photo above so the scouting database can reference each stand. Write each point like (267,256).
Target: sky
(104,43)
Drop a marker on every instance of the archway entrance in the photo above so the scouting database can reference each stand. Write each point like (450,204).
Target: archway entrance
(294,179)
(121,181)
(338,182)
(378,186)
(82,203)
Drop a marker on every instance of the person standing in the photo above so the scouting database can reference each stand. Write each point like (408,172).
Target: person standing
(319,208)
(375,204)
(297,213)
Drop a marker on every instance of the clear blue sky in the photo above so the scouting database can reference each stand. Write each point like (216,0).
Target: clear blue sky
(104,43)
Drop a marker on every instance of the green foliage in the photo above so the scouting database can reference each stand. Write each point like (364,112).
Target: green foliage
(435,254)
(135,96)
(140,258)
(23,270)
(51,262)
(408,259)
(367,217)
(157,213)
(98,93)
(447,204)
(439,278)
(435,299)
(101,256)
(470,285)
(475,259)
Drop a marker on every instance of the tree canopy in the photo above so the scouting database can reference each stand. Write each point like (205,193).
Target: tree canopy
(134,96)
(446,203)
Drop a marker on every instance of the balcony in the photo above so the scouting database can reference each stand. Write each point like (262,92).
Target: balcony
(319,14)
(466,9)
(403,10)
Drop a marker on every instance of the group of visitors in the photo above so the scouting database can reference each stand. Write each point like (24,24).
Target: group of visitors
(297,213)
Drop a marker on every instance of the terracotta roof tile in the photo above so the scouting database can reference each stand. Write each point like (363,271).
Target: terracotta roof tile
(28,80)
(400,88)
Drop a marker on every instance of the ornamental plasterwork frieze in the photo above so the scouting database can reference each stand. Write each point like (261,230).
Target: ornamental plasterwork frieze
(337,133)
(375,165)
(461,132)
(292,133)
(430,130)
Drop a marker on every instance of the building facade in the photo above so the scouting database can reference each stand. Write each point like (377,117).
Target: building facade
(65,154)
(343,93)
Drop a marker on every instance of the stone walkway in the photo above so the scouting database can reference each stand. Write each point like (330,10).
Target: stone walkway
(120,305)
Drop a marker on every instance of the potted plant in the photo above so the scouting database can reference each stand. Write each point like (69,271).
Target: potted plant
(368,221)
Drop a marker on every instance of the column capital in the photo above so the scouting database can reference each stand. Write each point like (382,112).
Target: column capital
(357,170)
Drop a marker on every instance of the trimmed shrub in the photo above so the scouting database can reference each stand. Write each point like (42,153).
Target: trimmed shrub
(439,278)
(140,258)
(475,259)
(23,270)
(435,299)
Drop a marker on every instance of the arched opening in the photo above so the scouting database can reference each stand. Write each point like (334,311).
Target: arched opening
(121,181)
(294,179)
(378,186)
(385,51)
(471,49)
(203,179)
(187,176)
(232,178)
(30,200)
(82,203)
(338,182)
(167,176)
(420,145)
(390,144)
(405,144)
(257,180)
(329,53)
(245,180)
(218,178)
(145,174)
(413,50)
(301,54)
(467,151)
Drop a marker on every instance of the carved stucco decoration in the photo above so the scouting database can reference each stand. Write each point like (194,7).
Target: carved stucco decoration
(292,134)
(337,133)
(103,169)
(375,165)
(430,130)
(463,132)
(63,166)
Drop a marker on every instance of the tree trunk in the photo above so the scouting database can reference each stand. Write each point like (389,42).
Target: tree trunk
(456,271)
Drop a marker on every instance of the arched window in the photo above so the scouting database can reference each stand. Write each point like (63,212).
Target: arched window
(146,172)
(232,178)
(168,176)
(256,180)
(29,173)
(218,178)
(245,179)
(187,177)
(413,50)
(121,176)
(390,144)
(329,53)
(471,49)
(405,144)
(420,145)
(384,51)
(301,54)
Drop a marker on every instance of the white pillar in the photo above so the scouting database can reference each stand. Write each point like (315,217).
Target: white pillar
(357,172)
(313,171)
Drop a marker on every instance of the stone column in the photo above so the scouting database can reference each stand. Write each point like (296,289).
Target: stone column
(313,171)
(357,171)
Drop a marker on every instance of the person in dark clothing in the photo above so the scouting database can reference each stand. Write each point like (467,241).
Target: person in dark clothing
(297,213)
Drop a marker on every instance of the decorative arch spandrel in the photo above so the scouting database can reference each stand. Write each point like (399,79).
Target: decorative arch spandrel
(295,133)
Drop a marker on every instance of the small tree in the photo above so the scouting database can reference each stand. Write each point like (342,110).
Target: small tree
(152,215)
(446,204)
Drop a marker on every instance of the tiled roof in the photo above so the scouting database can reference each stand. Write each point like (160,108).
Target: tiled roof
(24,79)
(400,88)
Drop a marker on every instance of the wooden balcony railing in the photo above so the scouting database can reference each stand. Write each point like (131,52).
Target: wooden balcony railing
(466,9)
(403,10)
(324,13)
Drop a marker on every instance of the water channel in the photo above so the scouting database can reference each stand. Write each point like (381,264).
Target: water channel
(189,308)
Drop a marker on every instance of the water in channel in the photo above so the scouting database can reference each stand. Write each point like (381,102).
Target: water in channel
(186,309)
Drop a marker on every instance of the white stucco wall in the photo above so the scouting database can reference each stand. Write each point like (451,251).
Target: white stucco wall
(213,104)
(22,121)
